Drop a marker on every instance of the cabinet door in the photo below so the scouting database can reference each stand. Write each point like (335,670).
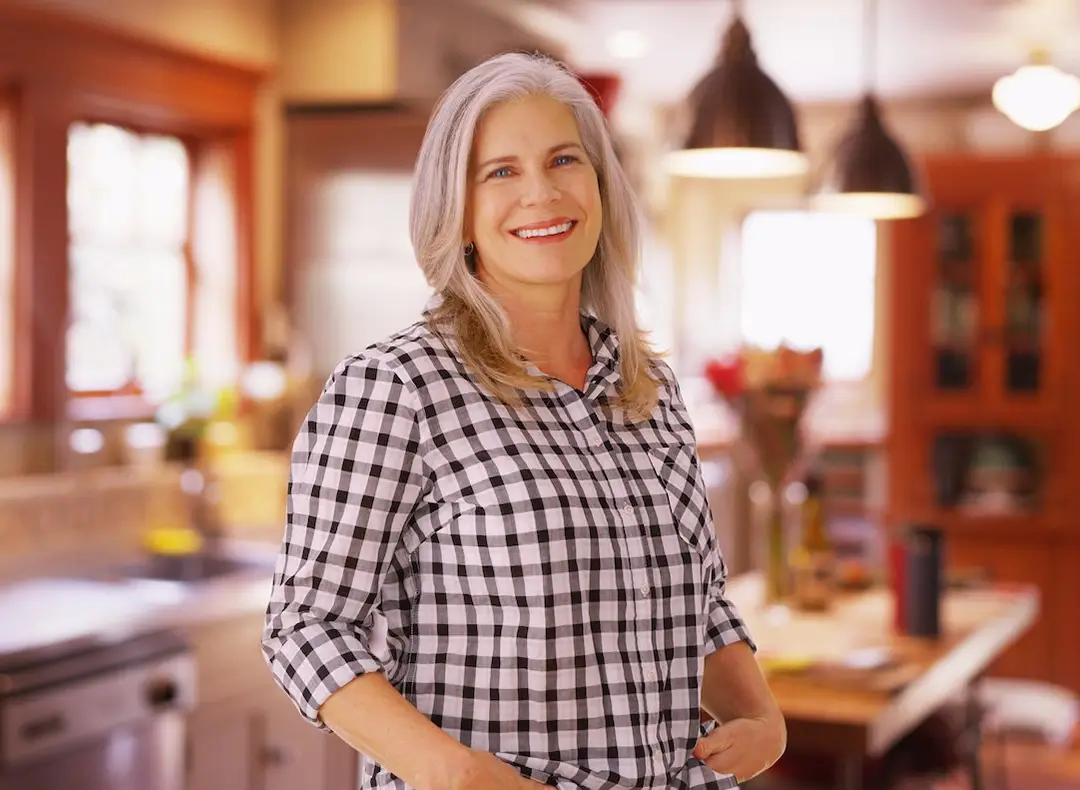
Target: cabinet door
(993,265)
(220,746)
(1023,345)
(1022,563)
(290,753)
(1067,594)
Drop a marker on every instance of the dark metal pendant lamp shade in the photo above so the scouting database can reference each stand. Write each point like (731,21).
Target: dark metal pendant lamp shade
(743,124)
(869,173)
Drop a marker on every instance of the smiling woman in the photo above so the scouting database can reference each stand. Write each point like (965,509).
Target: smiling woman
(500,570)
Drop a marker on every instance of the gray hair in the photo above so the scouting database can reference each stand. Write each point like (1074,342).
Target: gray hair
(437,217)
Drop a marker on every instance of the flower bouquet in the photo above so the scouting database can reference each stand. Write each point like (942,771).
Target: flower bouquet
(769,391)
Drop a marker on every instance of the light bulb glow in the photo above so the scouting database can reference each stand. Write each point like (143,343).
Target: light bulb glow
(735,163)
(876,205)
(1037,97)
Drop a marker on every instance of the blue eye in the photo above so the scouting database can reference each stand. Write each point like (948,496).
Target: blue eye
(565,159)
(501,172)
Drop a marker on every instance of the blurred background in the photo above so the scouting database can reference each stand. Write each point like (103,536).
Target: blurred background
(203,207)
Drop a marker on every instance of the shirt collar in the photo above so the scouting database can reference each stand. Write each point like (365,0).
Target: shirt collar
(603,342)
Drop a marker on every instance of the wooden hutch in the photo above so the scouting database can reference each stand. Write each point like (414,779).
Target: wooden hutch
(984,396)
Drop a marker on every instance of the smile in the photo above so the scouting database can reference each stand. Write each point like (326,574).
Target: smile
(556,231)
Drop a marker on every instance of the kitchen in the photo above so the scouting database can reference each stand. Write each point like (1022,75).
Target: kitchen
(277,138)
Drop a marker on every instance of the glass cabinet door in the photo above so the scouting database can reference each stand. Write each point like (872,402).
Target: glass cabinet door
(955,304)
(1025,305)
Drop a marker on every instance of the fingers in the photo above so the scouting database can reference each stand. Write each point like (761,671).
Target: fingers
(726,763)
(716,742)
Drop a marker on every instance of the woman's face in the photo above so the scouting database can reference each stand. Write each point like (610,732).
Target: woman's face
(534,209)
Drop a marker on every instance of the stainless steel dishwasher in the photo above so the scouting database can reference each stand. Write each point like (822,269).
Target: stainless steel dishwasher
(96,715)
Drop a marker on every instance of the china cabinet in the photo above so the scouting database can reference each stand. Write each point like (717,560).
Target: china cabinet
(984,437)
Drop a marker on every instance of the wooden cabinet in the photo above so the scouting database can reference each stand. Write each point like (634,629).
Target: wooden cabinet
(1066,594)
(1016,563)
(990,312)
(220,747)
(245,733)
(983,436)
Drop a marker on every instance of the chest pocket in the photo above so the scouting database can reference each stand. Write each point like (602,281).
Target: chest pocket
(677,469)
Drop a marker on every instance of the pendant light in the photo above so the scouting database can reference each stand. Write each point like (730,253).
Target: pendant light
(743,124)
(869,173)
(1038,96)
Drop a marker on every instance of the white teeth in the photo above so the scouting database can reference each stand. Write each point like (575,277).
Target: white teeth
(553,230)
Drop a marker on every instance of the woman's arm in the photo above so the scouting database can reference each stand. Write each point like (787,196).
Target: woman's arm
(751,734)
(356,476)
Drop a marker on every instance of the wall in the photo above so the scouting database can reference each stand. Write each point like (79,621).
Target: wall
(240,30)
(338,50)
(438,42)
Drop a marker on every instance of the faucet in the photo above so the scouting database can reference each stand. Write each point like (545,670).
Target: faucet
(202,496)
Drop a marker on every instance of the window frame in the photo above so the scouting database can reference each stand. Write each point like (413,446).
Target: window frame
(64,71)
(130,400)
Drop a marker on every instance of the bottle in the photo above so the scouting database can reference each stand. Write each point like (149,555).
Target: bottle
(814,562)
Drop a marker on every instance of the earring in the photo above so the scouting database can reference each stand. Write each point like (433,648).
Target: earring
(470,248)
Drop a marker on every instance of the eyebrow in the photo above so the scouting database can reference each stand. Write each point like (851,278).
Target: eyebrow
(503,159)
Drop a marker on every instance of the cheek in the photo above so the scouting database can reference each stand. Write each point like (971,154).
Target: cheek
(490,215)
(589,199)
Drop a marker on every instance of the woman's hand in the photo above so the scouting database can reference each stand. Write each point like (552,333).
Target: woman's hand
(743,747)
(485,771)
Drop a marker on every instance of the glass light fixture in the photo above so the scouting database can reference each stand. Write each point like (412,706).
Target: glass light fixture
(1038,96)
(743,124)
(869,173)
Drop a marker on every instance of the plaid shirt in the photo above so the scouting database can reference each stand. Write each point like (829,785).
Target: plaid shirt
(542,582)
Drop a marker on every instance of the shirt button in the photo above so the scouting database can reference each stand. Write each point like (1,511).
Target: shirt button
(598,441)
(650,675)
(628,509)
(646,591)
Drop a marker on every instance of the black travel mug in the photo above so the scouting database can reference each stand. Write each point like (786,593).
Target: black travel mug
(925,547)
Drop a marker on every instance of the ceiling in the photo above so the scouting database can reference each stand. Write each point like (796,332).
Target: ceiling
(814,48)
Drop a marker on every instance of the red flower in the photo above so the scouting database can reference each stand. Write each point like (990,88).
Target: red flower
(726,377)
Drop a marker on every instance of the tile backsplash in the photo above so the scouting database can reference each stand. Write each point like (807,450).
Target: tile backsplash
(106,511)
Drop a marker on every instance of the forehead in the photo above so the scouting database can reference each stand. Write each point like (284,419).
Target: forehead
(525,123)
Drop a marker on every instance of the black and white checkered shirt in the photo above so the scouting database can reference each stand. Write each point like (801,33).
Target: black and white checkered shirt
(542,582)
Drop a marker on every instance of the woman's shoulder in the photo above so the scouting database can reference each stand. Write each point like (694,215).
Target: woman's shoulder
(414,355)
(666,380)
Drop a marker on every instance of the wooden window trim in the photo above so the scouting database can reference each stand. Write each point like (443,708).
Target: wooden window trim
(62,71)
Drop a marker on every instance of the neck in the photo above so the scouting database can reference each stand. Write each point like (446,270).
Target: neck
(546,325)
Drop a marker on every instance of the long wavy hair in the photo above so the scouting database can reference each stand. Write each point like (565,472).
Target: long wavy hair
(437,213)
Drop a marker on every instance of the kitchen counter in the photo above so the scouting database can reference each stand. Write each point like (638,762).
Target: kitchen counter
(62,612)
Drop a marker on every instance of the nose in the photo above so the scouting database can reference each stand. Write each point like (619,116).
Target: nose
(539,189)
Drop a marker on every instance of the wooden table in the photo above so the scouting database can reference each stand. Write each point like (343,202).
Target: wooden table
(854,721)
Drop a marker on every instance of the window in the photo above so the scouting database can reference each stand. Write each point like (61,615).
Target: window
(358,244)
(152,256)
(807,279)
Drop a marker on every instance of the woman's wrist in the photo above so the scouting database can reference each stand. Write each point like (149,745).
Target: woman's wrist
(455,770)
(777,729)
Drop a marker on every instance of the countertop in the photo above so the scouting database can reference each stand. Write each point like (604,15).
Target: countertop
(66,611)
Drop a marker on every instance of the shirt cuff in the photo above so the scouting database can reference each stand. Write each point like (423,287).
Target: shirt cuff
(315,661)
(724,625)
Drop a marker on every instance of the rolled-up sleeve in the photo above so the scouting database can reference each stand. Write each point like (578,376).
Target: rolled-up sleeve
(723,624)
(355,478)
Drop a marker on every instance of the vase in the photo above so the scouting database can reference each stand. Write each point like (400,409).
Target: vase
(770,524)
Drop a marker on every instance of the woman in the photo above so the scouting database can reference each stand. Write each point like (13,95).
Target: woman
(499,569)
